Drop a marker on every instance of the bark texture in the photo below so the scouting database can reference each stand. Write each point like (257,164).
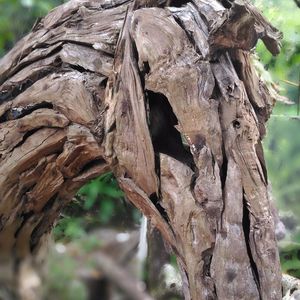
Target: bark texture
(164,94)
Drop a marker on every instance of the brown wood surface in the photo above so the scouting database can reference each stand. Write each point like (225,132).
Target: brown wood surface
(162,93)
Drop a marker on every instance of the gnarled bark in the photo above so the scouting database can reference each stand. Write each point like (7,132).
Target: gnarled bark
(164,94)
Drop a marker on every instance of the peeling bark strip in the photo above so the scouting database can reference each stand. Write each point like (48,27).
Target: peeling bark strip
(164,94)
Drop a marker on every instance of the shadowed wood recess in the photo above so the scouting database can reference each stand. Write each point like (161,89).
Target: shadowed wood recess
(163,93)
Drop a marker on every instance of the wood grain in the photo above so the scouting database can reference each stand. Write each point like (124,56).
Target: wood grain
(163,94)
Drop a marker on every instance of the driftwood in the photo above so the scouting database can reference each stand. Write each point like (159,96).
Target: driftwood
(164,94)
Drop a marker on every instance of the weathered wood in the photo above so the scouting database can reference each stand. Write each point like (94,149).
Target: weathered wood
(164,94)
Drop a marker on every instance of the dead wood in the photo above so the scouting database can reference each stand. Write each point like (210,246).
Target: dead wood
(164,94)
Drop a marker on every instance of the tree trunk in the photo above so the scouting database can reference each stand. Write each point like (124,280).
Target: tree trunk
(164,94)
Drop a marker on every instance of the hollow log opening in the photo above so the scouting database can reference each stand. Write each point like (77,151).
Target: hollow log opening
(163,93)
(162,125)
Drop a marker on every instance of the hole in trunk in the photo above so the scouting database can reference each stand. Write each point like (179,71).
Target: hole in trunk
(236,124)
(177,3)
(19,112)
(227,3)
(103,83)
(165,137)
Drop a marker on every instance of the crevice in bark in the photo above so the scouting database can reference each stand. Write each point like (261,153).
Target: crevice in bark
(142,70)
(178,3)
(223,168)
(49,204)
(207,257)
(19,112)
(226,3)
(194,182)
(45,224)
(260,156)
(22,65)
(223,171)
(188,34)
(103,83)
(113,4)
(246,229)
(238,66)
(77,68)
(16,90)
(101,52)
(146,68)
(157,170)
(92,164)
(58,23)
(156,201)
(2,220)
(26,216)
(202,15)
(26,136)
(112,128)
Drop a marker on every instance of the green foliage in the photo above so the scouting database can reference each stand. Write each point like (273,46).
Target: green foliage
(17,18)
(98,203)
(281,146)
(104,185)
(68,228)
(284,15)
(290,259)
(282,143)
(91,243)
(61,282)
(282,155)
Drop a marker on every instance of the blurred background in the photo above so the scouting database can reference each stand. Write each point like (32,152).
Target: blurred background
(100,226)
